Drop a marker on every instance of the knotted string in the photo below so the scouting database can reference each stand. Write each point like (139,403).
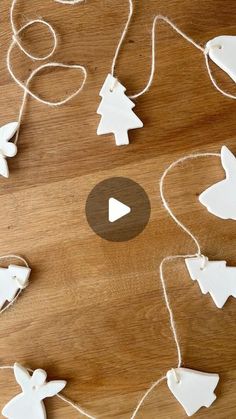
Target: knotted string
(21,287)
(16,41)
(59,395)
(170,259)
(165,19)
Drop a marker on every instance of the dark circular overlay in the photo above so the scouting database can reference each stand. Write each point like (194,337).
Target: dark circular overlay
(129,193)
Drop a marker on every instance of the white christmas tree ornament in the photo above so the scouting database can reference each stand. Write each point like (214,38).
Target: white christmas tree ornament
(116,112)
(220,199)
(29,404)
(221,50)
(213,277)
(7,149)
(12,279)
(192,389)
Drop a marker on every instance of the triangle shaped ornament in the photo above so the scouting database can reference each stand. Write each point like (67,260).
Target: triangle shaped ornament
(12,280)
(221,50)
(193,389)
(116,112)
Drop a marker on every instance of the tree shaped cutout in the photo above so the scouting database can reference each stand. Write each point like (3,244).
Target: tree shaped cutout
(116,112)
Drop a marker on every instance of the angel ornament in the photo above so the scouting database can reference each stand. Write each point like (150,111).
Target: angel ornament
(7,149)
(29,404)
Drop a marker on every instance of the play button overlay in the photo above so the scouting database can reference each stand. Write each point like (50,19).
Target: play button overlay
(118,209)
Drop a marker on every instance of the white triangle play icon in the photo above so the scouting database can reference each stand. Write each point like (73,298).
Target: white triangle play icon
(117,210)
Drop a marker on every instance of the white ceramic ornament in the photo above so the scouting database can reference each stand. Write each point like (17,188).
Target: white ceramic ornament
(221,50)
(12,279)
(213,277)
(116,112)
(29,404)
(220,199)
(7,149)
(192,389)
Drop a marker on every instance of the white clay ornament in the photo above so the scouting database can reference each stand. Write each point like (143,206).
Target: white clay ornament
(213,277)
(220,199)
(29,404)
(12,279)
(116,112)
(7,149)
(221,50)
(192,389)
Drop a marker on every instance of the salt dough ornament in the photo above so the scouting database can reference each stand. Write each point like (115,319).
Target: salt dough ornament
(192,389)
(116,112)
(220,199)
(221,50)
(12,279)
(29,404)
(7,149)
(215,277)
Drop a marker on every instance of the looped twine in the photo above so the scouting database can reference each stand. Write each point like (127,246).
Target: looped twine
(22,285)
(204,261)
(177,379)
(25,86)
(113,85)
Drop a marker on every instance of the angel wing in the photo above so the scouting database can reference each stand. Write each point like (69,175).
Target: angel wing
(228,162)
(51,388)
(22,376)
(4,171)
(7,131)
(7,149)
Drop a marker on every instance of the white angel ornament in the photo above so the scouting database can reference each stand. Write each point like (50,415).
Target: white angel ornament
(7,149)
(29,404)
(220,199)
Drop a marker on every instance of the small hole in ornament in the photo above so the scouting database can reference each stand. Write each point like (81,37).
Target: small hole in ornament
(34,387)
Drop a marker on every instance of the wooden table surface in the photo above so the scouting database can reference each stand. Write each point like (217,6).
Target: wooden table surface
(94,312)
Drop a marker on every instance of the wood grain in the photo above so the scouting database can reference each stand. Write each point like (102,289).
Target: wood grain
(94,313)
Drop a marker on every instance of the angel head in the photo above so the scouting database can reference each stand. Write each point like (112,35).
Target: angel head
(220,199)
(37,382)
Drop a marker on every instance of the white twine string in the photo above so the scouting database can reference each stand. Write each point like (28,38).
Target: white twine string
(21,259)
(60,396)
(170,259)
(153,46)
(164,201)
(165,19)
(73,2)
(141,401)
(16,41)
(131,10)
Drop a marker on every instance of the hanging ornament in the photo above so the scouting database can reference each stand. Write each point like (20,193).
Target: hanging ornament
(12,280)
(192,389)
(213,277)
(7,149)
(221,50)
(29,404)
(220,199)
(116,111)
